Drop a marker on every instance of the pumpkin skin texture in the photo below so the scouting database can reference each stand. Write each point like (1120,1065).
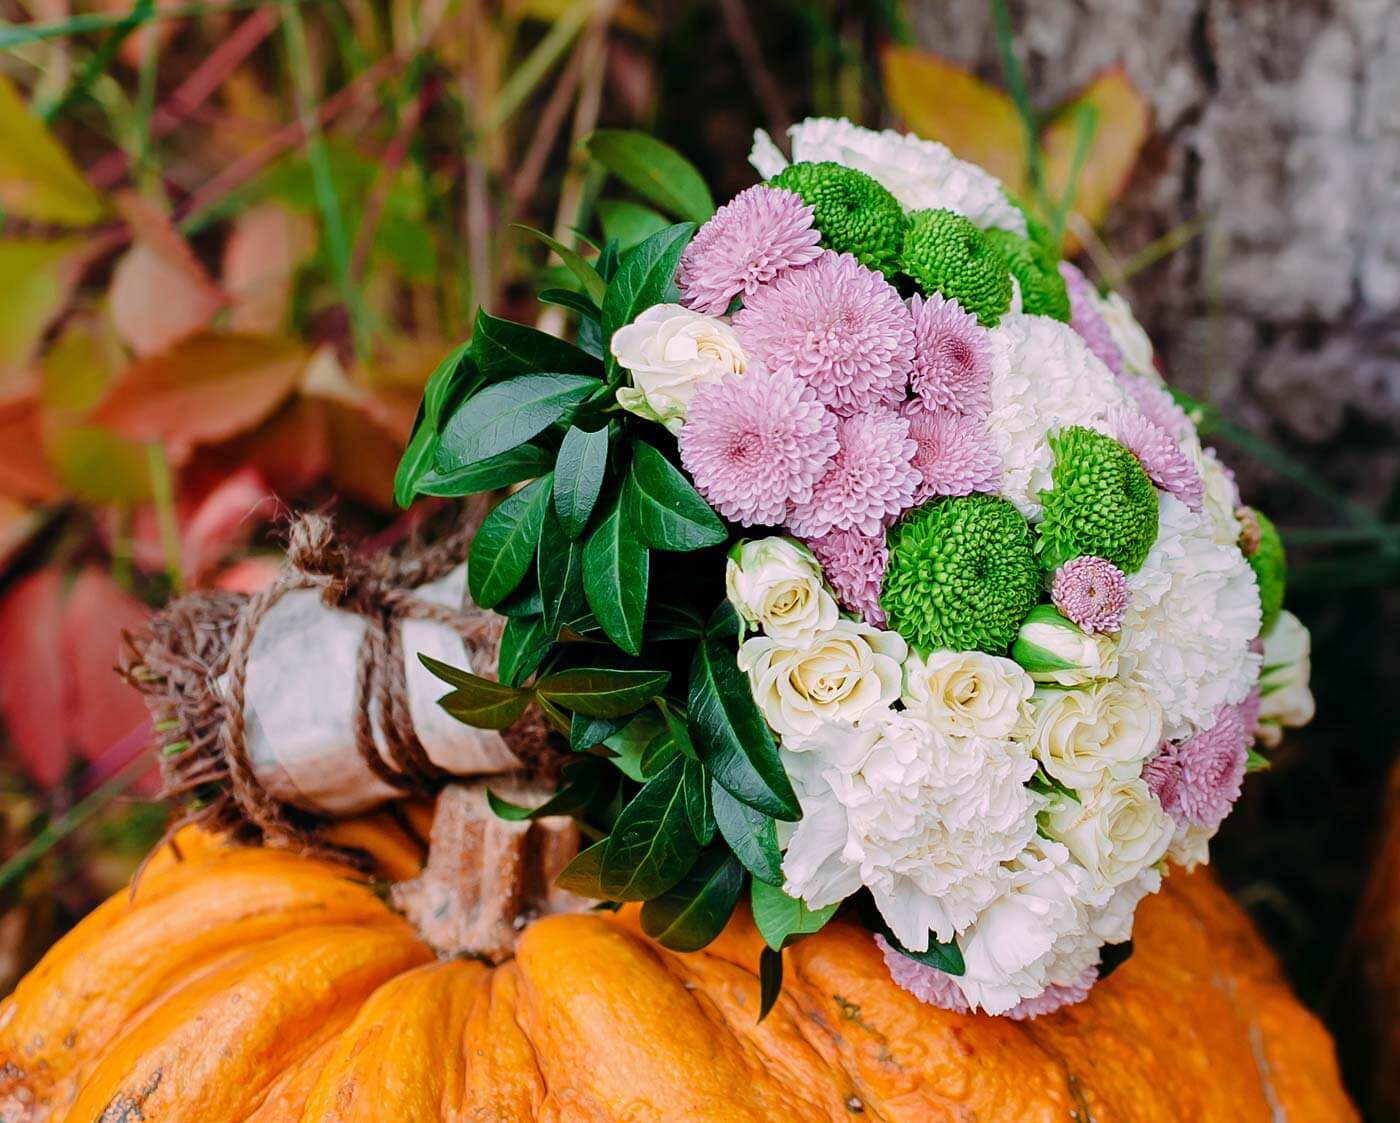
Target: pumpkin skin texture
(259,985)
(1379,933)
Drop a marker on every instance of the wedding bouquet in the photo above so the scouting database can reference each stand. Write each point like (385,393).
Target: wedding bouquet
(865,561)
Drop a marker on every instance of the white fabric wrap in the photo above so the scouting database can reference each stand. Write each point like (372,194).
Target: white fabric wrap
(299,699)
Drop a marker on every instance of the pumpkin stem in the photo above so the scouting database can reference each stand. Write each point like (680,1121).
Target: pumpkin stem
(486,878)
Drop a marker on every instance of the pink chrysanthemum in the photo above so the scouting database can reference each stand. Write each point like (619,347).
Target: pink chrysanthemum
(871,480)
(952,357)
(1084,317)
(1092,592)
(955,456)
(1199,779)
(1160,456)
(1158,406)
(839,326)
(927,984)
(756,443)
(749,241)
(1055,997)
(854,564)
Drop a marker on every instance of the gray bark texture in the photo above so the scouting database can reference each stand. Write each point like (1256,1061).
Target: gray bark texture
(1281,122)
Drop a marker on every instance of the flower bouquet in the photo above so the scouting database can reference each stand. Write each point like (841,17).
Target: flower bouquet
(865,562)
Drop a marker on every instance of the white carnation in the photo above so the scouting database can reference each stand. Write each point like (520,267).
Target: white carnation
(1035,929)
(921,174)
(1221,495)
(1191,846)
(924,821)
(1286,699)
(1044,378)
(1193,612)
(1128,336)
(1113,922)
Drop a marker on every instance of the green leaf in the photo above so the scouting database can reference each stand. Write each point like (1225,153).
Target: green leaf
(602,691)
(780,919)
(582,875)
(448,380)
(770,980)
(503,349)
(1113,956)
(478,701)
(502,549)
(651,845)
(524,462)
(616,569)
(695,910)
(695,782)
(678,730)
(578,477)
(593,284)
(630,743)
(655,171)
(752,835)
(573,301)
(674,621)
(1255,761)
(585,732)
(524,643)
(945,957)
(647,277)
(669,514)
(658,754)
(506,414)
(583,779)
(627,223)
(559,571)
(732,738)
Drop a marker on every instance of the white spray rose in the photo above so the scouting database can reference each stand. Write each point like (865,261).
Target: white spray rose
(1116,832)
(1053,649)
(1285,699)
(844,673)
(967,693)
(776,585)
(1107,729)
(671,352)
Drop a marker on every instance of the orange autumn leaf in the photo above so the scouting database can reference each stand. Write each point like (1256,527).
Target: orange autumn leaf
(206,388)
(263,252)
(24,468)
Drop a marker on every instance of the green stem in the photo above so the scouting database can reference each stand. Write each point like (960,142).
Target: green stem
(17,35)
(163,495)
(1016,84)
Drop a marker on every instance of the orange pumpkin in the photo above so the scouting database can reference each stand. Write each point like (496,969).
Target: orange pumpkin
(1380,938)
(252,984)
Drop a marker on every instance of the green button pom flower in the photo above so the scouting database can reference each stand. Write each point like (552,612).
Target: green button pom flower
(1043,291)
(945,253)
(1270,569)
(1101,503)
(961,575)
(852,212)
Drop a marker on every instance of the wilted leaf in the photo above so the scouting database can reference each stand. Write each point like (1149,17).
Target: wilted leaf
(31,674)
(36,277)
(37,179)
(267,244)
(1122,122)
(160,293)
(204,389)
(941,101)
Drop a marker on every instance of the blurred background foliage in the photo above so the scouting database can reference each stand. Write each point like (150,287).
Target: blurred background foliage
(235,237)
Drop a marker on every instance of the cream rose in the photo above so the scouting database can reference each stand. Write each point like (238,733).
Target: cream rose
(671,352)
(967,693)
(1053,649)
(1116,832)
(776,585)
(1285,698)
(1107,729)
(844,673)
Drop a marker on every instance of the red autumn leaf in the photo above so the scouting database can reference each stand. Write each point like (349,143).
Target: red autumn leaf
(24,467)
(207,388)
(32,701)
(247,575)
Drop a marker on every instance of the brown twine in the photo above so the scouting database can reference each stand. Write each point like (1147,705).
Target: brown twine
(204,636)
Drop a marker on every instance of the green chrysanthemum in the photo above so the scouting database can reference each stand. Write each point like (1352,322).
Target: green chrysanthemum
(852,212)
(1043,291)
(1101,503)
(945,253)
(1270,569)
(1036,230)
(961,575)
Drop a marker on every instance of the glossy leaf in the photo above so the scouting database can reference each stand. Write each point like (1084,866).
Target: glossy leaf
(583,778)
(645,278)
(587,276)
(582,876)
(751,834)
(506,414)
(559,572)
(504,546)
(627,223)
(781,919)
(575,302)
(524,643)
(732,738)
(477,701)
(503,349)
(696,784)
(524,462)
(668,512)
(578,477)
(586,732)
(602,691)
(651,845)
(449,379)
(945,957)
(616,569)
(655,171)
(695,910)
(770,980)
